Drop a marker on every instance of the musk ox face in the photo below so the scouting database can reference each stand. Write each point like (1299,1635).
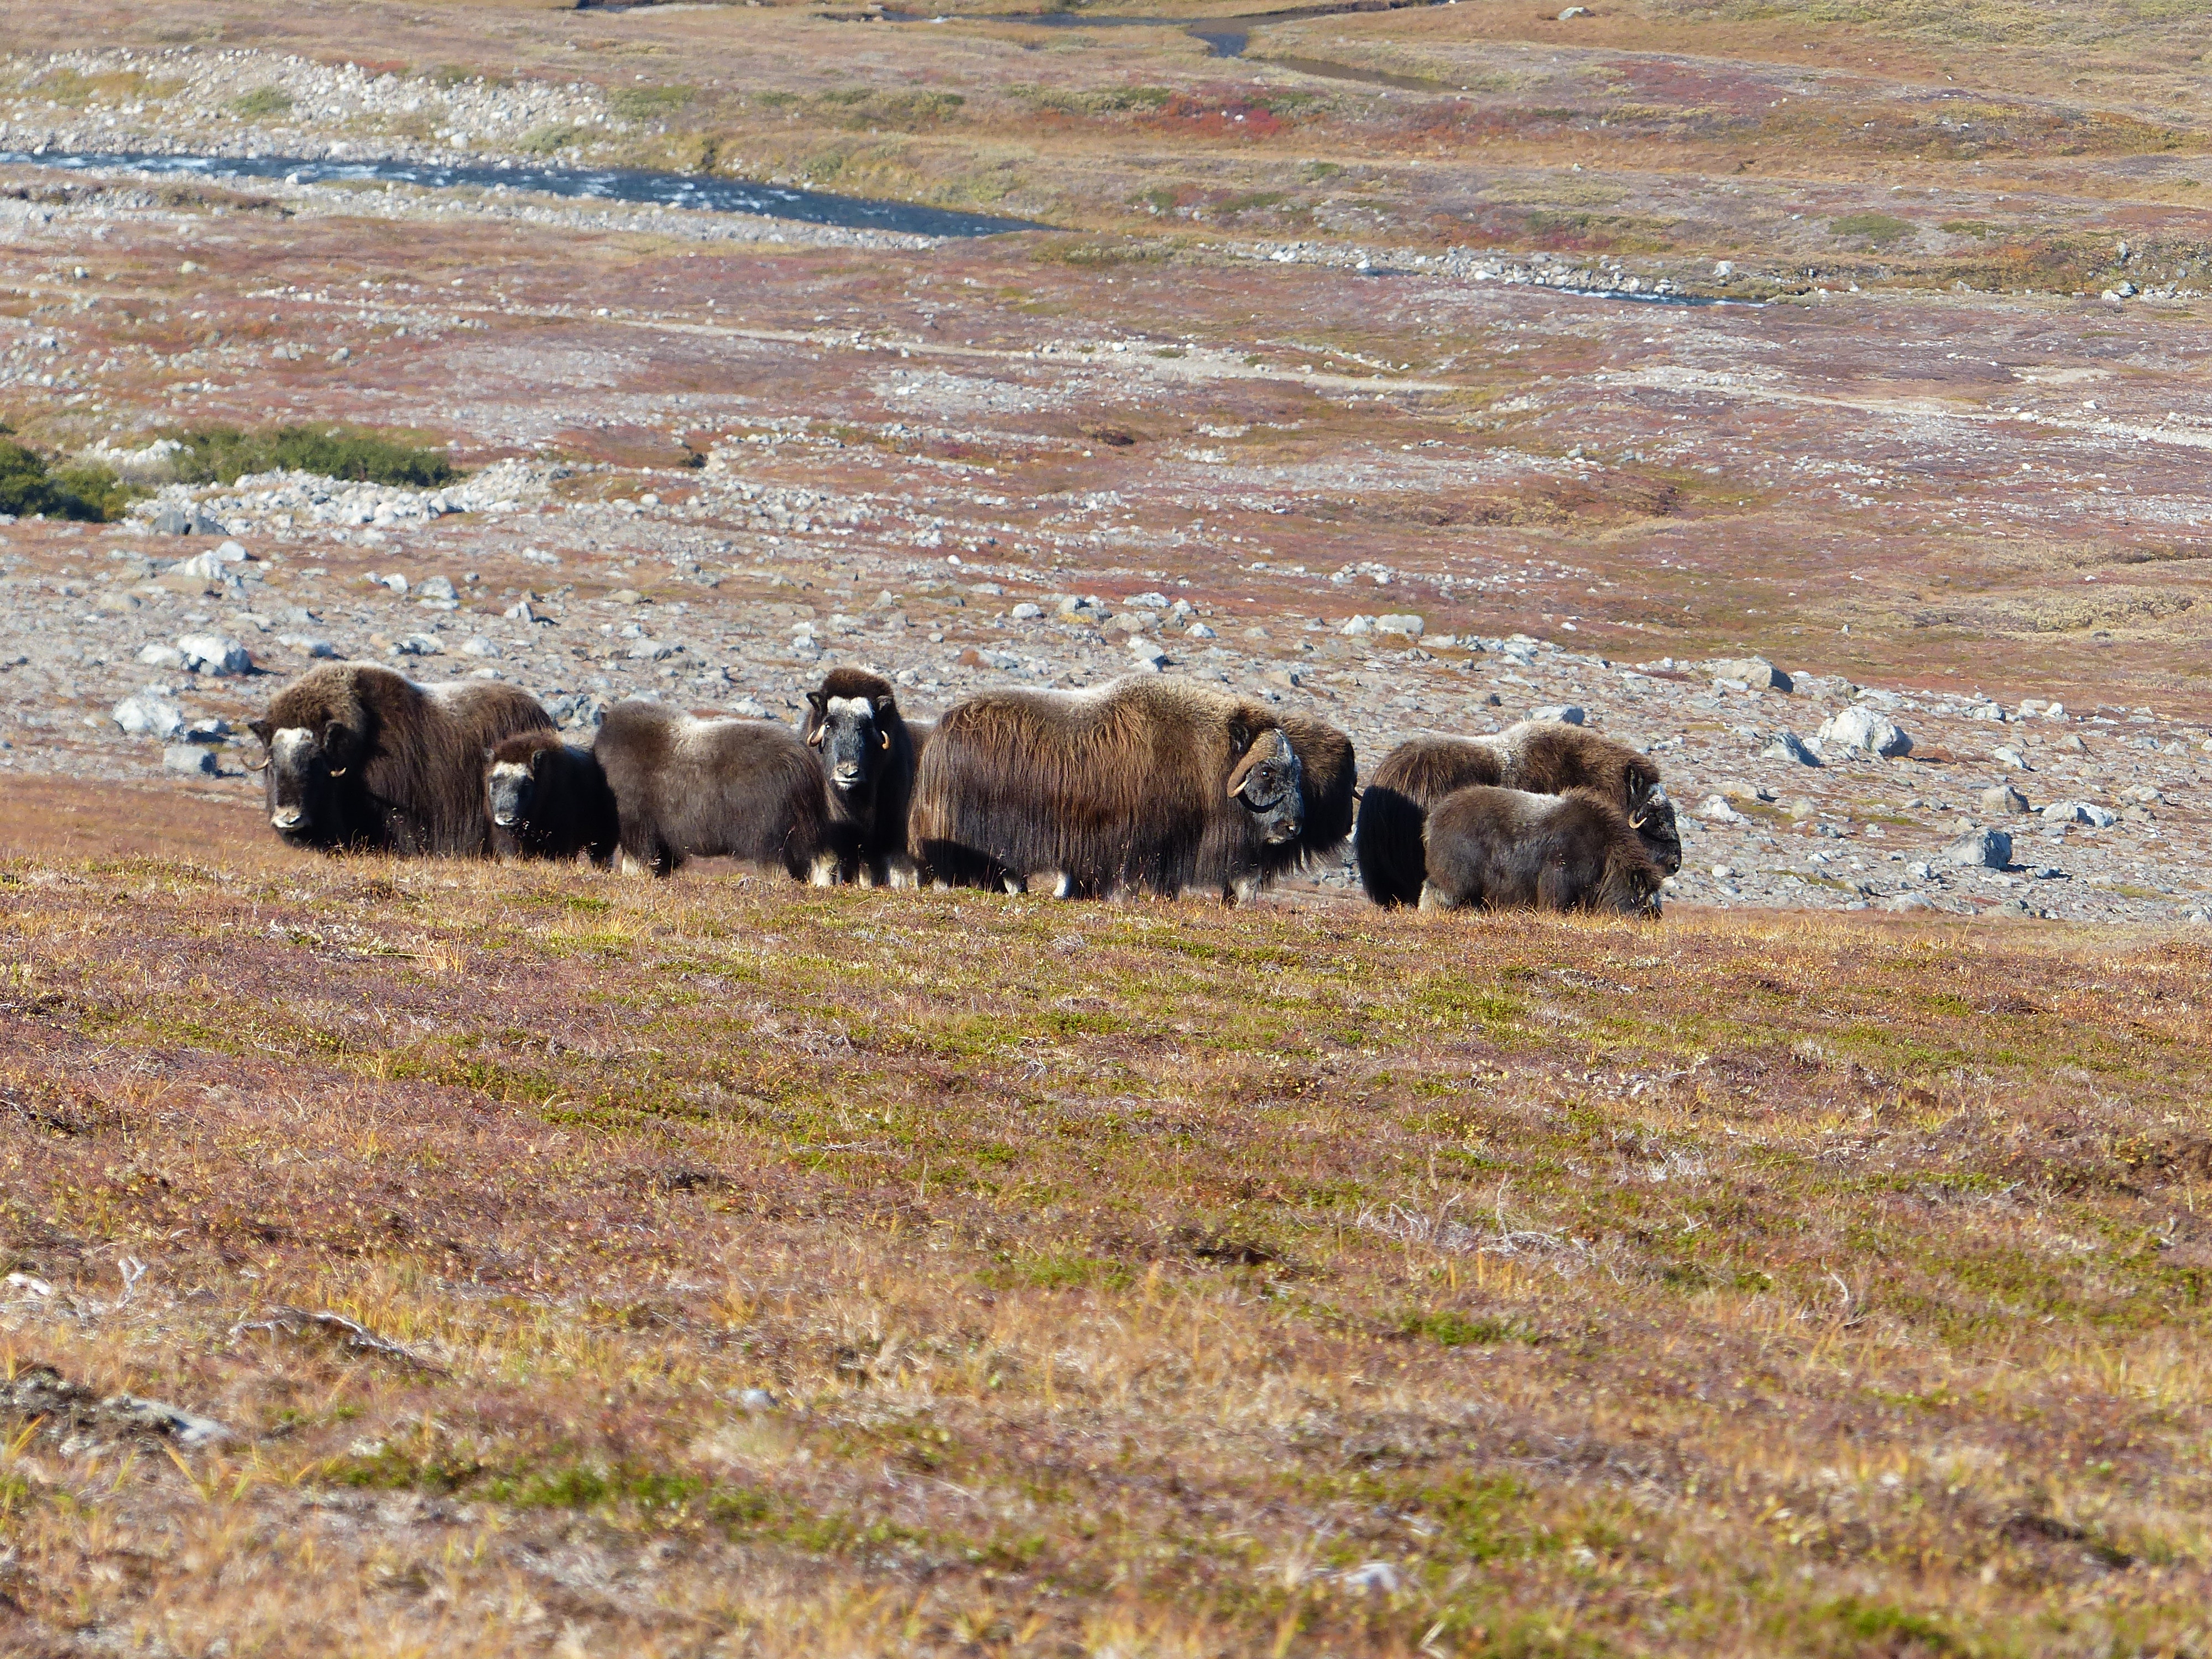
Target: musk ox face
(1654,825)
(851,739)
(1267,781)
(300,775)
(508,786)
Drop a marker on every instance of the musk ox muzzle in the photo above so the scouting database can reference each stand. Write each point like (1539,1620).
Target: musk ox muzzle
(297,777)
(507,789)
(851,737)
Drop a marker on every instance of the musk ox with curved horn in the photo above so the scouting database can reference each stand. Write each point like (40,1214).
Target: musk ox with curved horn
(360,757)
(853,724)
(1151,784)
(688,788)
(1544,758)
(1503,849)
(549,799)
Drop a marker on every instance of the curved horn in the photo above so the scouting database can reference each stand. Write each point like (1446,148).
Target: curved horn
(883,740)
(261,765)
(340,771)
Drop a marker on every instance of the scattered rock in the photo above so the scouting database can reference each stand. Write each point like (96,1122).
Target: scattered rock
(1980,849)
(158,655)
(1199,631)
(1559,713)
(313,646)
(478,646)
(2011,759)
(1902,902)
(1026,612)
(2080,811)
(1787,745)
(1861,728)
(1714,809)
(1408,625)
(626,596)
(438,592)
(419,645)
(1755,673)
(147,715)
(213,654)
(189,758)
(2002,798)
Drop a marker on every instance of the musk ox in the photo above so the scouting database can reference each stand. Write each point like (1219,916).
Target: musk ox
(688,788)
(1541,757)
(360,757)
(549,799)
(1145,783)
(1503,849)
(853,724)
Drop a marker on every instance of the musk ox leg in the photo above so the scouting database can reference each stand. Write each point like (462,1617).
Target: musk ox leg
(1433,898)
(1244,889)
(1014,884)
(632,866)
(823,873)
(899,870)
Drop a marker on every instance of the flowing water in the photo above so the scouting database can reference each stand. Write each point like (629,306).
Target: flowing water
(593,184)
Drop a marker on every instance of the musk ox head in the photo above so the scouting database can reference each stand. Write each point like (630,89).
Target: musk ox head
(1653,820)
(853,737)
(300,776)
(1267,779)
(511,776)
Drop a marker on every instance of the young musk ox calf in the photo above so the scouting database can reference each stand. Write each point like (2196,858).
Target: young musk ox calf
(1541,757)
(1505,849)
(853,723)
(549,799)
(1149,784)
(686,787)
(360,757)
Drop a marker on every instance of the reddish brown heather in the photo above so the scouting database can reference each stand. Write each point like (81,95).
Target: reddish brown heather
(1150,1278)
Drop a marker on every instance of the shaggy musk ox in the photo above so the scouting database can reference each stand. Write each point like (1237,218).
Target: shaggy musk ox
(1541,757)
(853,723)
(687,787)
(1149,784)
(549,799)
(1502,849)
(361,757)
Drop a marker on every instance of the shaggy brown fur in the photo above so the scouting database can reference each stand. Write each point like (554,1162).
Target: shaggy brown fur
(687,787)
(1148,784)
(549,799)
(362,757)
(853,724)
(1502,849)
(1541,757)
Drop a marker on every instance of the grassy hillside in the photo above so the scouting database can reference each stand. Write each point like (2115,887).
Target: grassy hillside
(1144,1279)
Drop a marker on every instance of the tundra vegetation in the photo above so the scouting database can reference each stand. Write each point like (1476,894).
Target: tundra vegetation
(804,1268)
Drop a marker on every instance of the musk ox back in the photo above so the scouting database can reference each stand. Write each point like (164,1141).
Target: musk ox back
(853,724)
(549,799)
(687,787)
(1500,849)
(360,757)
(1151,784)
(1543,757)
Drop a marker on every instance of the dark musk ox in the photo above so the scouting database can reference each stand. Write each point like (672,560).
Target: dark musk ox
(688,788)
(1544,758)
(549,799)
(1507,849)
(1145,784)
(360,757)
(853,724)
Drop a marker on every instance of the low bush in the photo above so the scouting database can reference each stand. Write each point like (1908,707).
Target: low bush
(29,485)
(224,454)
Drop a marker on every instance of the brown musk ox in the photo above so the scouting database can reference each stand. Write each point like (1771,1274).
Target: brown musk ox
(1544,758)
(549,799)
(853,724)
(1505,849)
(691,788)
(1147,784)
(359,756)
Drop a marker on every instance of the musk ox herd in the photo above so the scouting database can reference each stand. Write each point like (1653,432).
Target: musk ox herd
(1145,785)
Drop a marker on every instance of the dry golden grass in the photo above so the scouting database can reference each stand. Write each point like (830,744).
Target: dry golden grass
(1133,1280)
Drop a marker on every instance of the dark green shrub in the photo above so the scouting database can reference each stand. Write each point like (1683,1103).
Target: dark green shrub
(28,485)
(223,454)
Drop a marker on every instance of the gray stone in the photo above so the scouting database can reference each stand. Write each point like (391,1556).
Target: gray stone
(1201,631)
(2079,811)
(1714,809)
(161,656)
(1408,625)
(1903,902)
(1787,745)
(1566,714)
(214,653)
(1755,673)
(477,646)
(173,521)
(309,643)
(190,758)
(147,715)
(419,645)
(1026,612)
(1980,849)
(439,591)
(1862,729)
(2002,798)
(2011,759)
